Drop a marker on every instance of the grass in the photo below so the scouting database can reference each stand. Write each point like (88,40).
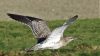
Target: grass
(15,37)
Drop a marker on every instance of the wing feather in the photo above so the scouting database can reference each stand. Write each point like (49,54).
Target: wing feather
(58,32)
(38,26)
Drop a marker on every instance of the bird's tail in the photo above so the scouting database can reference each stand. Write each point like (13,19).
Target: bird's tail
(33,48)
(71,20)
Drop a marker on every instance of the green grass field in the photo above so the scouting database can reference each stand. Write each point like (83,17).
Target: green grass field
(15,37)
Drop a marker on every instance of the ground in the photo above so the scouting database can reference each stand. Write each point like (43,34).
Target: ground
(15,37)
(51,9)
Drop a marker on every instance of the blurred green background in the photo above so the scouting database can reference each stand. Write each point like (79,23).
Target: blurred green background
(15,37)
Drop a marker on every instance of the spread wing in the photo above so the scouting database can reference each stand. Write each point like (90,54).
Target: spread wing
(58,32)
(38,26)
(55,36)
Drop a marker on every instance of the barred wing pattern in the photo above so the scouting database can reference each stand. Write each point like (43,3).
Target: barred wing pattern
(55,36)
(38,26)
(40,29)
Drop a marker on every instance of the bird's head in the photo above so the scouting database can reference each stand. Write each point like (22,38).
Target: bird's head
(68,39)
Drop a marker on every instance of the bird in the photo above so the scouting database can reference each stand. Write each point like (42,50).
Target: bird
(46,39)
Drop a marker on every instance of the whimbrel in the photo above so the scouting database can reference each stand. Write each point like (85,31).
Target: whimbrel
(46,39)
